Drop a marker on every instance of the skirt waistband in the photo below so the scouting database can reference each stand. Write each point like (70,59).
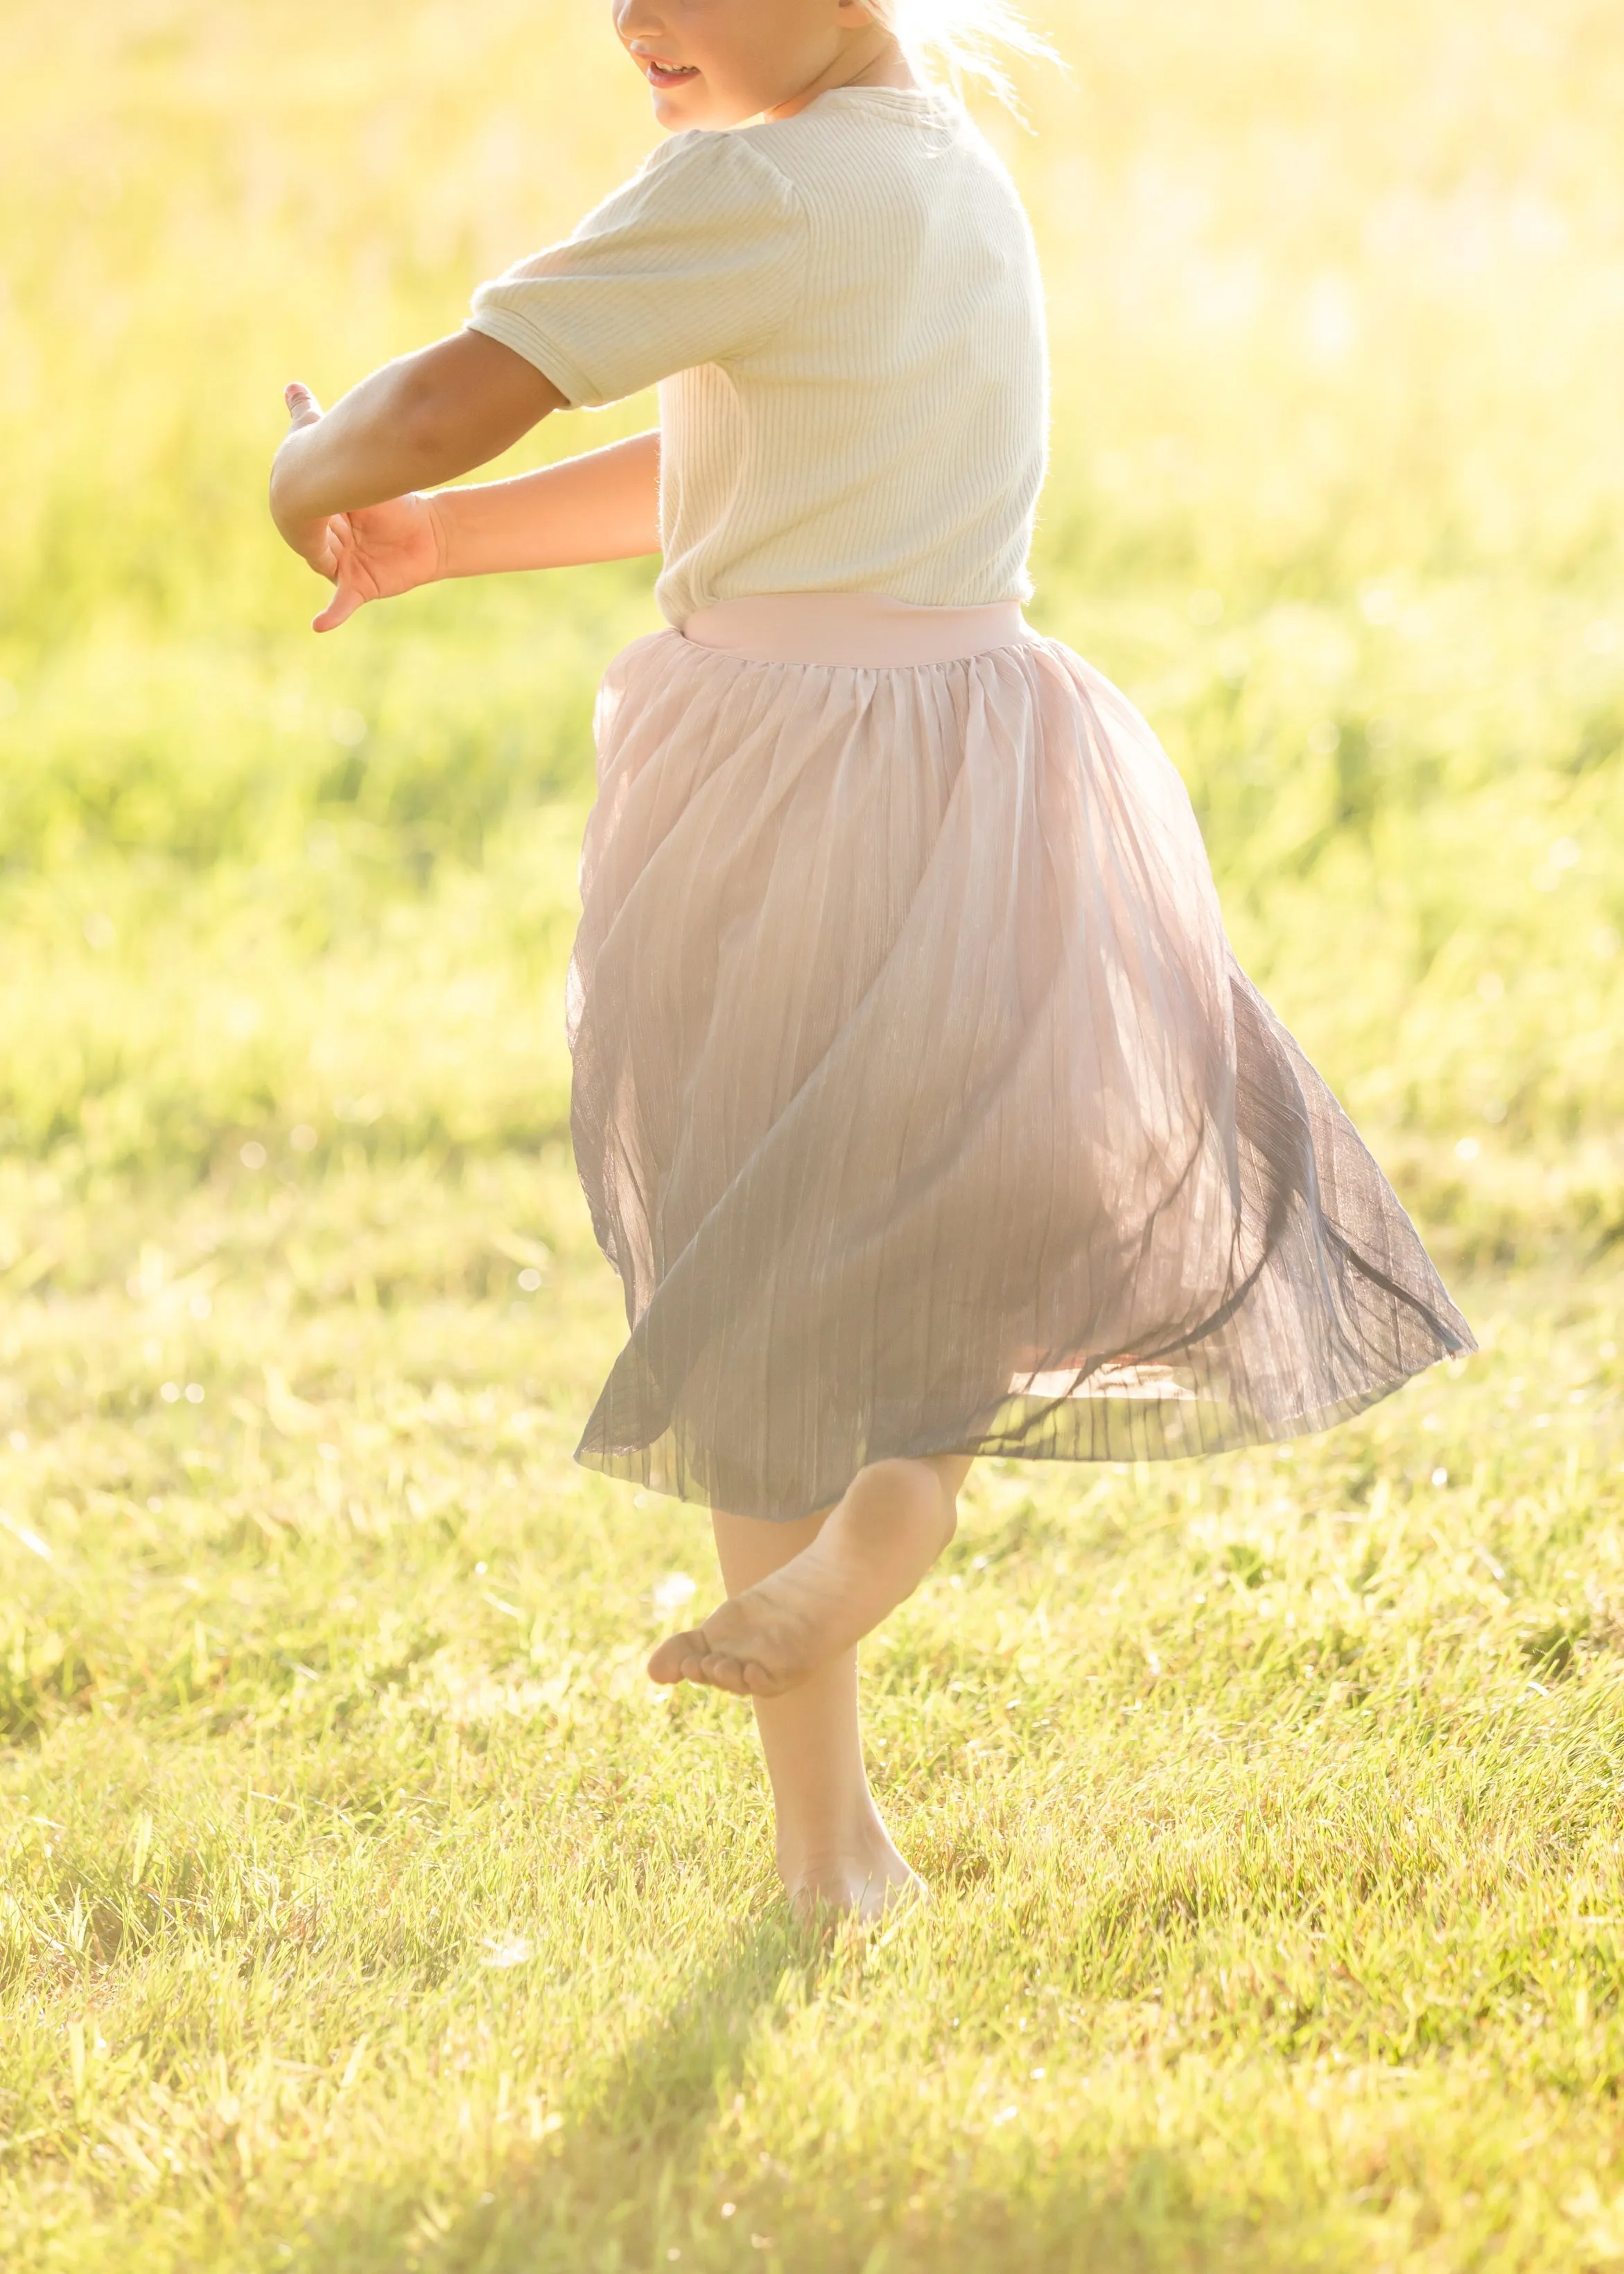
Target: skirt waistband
(862,631)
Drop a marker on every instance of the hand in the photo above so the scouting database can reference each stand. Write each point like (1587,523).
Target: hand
(371,553)
(380,551)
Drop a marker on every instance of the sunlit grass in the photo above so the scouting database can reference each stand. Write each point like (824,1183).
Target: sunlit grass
(364,1901)
(363,1907)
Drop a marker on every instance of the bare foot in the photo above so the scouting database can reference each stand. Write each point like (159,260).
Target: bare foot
(873,1550)
(865,1885)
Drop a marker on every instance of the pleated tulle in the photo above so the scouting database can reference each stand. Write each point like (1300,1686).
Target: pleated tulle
(921,1105)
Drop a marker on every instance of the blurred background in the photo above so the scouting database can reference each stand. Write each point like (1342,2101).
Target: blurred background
(1337,492)
(362,1907)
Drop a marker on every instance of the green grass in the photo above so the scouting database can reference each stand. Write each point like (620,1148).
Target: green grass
(365,1907)
(362,1907)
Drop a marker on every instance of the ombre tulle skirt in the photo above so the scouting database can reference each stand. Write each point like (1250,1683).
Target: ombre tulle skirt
(919,1101)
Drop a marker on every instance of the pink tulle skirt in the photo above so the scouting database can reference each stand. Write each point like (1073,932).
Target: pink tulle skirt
(919,1101)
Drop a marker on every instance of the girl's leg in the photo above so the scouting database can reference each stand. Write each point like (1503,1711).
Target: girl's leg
(832,1846)
(839,1578)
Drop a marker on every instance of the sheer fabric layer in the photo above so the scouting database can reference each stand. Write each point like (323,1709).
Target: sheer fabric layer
(919,1101)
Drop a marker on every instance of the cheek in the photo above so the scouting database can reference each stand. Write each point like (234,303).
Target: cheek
(732,39)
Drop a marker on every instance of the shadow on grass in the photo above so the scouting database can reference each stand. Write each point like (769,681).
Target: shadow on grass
(597,2192)
(618,2190)
(677,2073)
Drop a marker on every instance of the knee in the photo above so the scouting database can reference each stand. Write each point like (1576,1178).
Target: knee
(915,1493)
(947,1502)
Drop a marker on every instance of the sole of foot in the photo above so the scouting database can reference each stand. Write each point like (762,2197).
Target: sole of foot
(873,1549)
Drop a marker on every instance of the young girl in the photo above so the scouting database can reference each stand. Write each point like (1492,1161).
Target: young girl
(919,1101)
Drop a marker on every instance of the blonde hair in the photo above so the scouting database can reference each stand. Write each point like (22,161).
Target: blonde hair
(965,38)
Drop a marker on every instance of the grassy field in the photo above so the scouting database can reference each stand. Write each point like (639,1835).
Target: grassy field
(362,1909)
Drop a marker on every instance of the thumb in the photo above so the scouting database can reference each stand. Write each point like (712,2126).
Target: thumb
(347,598)
(344,604)
(303,407)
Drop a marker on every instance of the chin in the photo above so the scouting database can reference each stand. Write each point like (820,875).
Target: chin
(676,107)
(671,110)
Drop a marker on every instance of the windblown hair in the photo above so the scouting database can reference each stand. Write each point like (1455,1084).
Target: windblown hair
(964,38)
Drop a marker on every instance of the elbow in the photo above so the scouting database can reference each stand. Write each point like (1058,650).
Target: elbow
(290,500)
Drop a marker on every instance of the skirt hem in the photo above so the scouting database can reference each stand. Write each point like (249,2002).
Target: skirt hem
(631,1464)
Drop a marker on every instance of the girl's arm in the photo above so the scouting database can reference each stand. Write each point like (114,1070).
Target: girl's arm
(330,499)
(423,420)
(603,506)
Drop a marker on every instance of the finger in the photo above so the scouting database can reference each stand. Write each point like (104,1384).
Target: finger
(344,603)
(326,556)
(303,407)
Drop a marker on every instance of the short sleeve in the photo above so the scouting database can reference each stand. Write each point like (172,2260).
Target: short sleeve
(696,259)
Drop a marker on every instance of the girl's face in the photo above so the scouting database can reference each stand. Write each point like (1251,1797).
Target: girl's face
(717,63)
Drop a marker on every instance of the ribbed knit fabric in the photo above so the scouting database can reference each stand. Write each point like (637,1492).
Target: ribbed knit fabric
(844,314)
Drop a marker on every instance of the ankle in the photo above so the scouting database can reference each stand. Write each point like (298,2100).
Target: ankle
(809,1851)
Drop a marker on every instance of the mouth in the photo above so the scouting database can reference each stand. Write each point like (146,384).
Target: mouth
(661,73)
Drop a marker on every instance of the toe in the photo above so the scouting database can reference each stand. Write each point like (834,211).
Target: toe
(676,1656)
(725,1673)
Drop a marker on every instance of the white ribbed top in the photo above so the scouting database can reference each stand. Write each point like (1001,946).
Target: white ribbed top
(843,311)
